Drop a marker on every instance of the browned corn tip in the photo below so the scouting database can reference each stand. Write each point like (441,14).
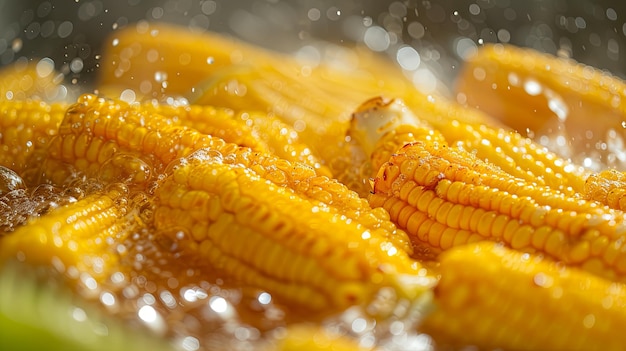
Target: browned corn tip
(445,197)
(304,250)
(493,297)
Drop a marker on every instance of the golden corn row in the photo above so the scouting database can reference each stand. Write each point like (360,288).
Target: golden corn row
(492,297)
(380,127)
(313,338)
(544,96)
(260,131)
(22,81)
(518,156)
(445,197)
(242,77)
(80,236)
(118,141)
(607,187)
(115,141)
(304,251)
(26,127)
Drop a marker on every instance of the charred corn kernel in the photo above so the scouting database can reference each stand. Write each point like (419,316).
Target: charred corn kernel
(493,205)
(260,131)
(607,187)
(549,98)
(26,127)
(29,80)
(492,297)
(270,236)
(80,235)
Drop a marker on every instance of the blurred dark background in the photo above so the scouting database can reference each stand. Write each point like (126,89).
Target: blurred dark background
(71,32)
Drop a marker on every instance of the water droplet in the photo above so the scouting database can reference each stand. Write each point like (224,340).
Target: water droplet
(532,87)
(9,181)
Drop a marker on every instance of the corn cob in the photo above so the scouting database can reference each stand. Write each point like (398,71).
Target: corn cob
(21,81)
(301,94)
(115,141)
(445,197)
(260,131)
(551,99)
(302,250)
(157,59)
(78,237)
(26,127)
(607,187)
(492,297)
(313,338)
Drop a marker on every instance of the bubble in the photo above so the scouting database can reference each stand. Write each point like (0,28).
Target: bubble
(157,12)
(128,95)
(190,343)
(76,65)
(65,29)
(314,14)
(474,9)
(126,168)
(218,304)
(264,298)
(376,38)
(416,30)
(47,29)
(532,87)
(107,298)
(208,7)
(504,35)
(465,47)
(9,181)
(408,58)
(44,9)
(611,14)
(33,30)
(149,315)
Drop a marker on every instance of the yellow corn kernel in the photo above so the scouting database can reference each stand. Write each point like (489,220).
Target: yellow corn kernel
(607,187)
(24,80)
(26,129)
(116,141)
(260,131)
(547,97)
(517,155)
(495,206)
(381,127)
(314,338)
(269,235)
(493,297)
(80,235)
